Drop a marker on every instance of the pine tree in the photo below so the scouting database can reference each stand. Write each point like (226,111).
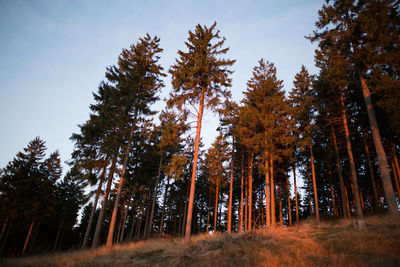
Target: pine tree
(200,76)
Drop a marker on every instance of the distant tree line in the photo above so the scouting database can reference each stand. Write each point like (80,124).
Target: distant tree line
(337,131)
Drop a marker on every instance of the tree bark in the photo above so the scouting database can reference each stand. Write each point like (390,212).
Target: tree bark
(120,185)
(216,206)
(273,216)
(182,229)
(316,206)
(382,160)
(356,200)
(371,174)
(289,208)
(124,221)
(280,202)
(89,226)
(28,236)
(229,226)
(343,194)
(104,204)
(60,227)
(240,227)
(155,196)
(3,229)
(396,179)
(295,194)
(246,204)
(331,187)
(250,189)
(193,181)
(267,192)
(163,209)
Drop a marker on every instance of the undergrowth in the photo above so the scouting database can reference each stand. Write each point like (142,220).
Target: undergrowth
(333,243)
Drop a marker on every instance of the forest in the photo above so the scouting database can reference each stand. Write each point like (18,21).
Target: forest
(324,150)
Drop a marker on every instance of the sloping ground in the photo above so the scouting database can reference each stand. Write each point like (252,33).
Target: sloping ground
(338,243)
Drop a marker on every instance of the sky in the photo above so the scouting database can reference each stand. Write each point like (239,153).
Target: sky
(53,55)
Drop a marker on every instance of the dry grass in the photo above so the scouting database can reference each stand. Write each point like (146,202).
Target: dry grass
(338,243)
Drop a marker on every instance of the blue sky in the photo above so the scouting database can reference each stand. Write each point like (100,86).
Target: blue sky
(53,55)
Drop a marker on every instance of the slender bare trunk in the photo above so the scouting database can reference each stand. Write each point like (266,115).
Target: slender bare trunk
(104,204)
(3,229)
(182,231)
(347,203)
(240,227)
(229,226)
(371,174)
(273,216)
(289,208)
(133,219)
(250,189)
(396,179)
(28,236)
(246,210)
(124,221)
(280,202)
(216,206)
(120,185)
(295,193)
(382,160)
(163,209)
(155,196)
(343,194)
(89,226)
(331,187)
(267,192)
(356,200)
(316,206)
(195,156)
(60,227)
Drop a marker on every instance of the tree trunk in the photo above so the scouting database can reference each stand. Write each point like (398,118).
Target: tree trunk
(3,229)
(120,185)
(309,191)
(104,205)
(280,202)
(208,209)
(382,160)
(216,206)
(229,226)
(267,192)
(195,156)
(163,209)
(289,208)
(273,216)
(155,196)
(356,200)
(28,236)
(295,194)
(240,227)
(347,203)
(343,194)
(89,226)
(250,189)
(246,210)
(316,206)
(60,227)
(133,219)
(371,174)
(331,188)
(124,221)
(396,179)
(182,231)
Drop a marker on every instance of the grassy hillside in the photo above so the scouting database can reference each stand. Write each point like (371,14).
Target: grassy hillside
(337,243)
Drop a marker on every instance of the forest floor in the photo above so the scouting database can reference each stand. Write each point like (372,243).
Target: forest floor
(335,243)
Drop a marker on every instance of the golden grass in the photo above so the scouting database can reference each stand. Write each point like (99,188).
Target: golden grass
(338,243)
